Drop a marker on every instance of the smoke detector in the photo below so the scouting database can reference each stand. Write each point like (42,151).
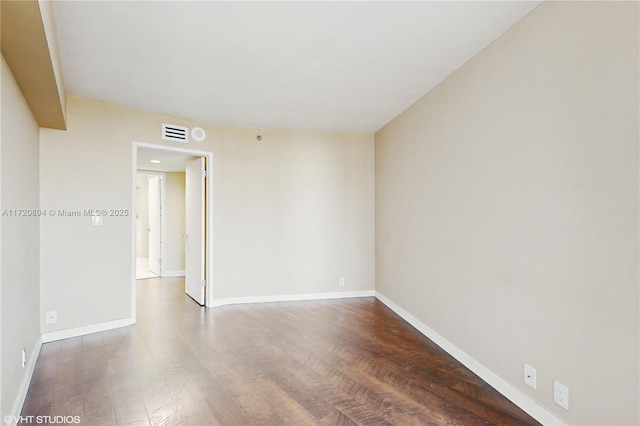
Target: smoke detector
(198,134)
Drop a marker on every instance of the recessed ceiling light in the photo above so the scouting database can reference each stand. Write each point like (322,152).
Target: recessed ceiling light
(155,161)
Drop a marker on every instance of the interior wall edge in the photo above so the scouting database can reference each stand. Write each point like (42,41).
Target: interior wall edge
(26,382)
(494,380)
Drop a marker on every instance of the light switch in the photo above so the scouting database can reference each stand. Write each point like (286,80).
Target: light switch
(96,220)
(530,375)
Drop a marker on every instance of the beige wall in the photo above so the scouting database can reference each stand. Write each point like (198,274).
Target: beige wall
(174,186)
(291,214)
(30,48)
(507,208)
(50,31)
(3,71)
(20,271)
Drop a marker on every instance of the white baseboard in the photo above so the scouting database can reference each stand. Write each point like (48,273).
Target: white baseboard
(290,297)
(88,329)
(169,274)
(16,409)
(511,393)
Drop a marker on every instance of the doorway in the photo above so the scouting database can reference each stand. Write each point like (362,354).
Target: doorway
(188,238)
(149,223)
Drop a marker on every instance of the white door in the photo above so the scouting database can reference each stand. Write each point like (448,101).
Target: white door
(195,230)
(155,241)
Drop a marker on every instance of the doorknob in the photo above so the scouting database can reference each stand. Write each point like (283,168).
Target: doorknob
(186,235)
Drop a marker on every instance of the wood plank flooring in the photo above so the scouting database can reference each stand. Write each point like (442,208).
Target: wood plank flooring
(331,362)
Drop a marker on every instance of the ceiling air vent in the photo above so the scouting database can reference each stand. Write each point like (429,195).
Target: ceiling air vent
(171,132)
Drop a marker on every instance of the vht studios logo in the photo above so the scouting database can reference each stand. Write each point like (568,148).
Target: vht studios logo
(39,420)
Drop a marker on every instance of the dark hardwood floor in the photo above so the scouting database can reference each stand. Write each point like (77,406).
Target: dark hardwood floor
(329,362)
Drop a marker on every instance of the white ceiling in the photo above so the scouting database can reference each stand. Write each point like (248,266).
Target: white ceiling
(339,66)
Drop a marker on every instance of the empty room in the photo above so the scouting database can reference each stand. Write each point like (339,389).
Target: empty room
(332,213)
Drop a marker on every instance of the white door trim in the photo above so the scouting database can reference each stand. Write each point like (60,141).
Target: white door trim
(209,207)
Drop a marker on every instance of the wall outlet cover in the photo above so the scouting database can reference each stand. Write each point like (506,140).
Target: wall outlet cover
(530,376)
(561,394)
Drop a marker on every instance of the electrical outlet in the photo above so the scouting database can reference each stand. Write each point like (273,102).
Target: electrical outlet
(24,358)
(52,317)
(341,281)
(530,375)
(561,394)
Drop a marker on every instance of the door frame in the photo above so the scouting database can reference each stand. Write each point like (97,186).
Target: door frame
(208,218)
